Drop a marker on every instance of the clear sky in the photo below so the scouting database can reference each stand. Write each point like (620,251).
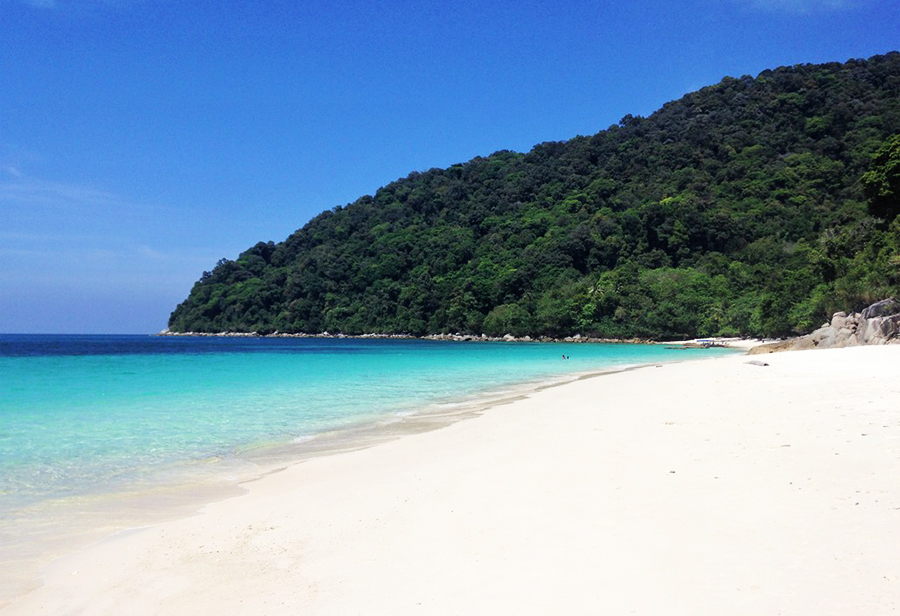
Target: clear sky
(143,140)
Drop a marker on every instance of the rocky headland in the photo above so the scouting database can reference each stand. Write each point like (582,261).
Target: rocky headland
(877,324)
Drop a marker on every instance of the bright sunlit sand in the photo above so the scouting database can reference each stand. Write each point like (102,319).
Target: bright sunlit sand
(707,487)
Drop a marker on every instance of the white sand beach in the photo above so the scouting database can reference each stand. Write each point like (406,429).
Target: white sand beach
(706,487)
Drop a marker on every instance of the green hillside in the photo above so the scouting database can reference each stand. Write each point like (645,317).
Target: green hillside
(756,206)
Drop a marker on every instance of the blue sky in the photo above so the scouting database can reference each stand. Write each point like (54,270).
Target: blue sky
(143,140)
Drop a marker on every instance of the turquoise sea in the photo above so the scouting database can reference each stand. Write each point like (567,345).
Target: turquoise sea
(82,417)
(90,413)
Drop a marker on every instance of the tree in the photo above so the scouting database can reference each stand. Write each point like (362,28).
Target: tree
(881,183)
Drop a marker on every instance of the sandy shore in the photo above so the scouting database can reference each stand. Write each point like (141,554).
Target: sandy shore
(706,487)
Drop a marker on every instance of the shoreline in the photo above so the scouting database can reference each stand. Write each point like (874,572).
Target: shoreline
(735,342)
(192,484)
(752,471)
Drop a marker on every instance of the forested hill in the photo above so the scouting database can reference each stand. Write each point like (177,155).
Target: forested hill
(756,206)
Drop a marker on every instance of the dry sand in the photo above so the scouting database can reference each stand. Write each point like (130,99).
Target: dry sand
(706,487)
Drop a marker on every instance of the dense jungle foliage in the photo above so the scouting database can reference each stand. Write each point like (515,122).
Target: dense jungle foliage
(757,206)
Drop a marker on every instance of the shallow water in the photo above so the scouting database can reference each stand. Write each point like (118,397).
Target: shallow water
(80,414)
(95,428)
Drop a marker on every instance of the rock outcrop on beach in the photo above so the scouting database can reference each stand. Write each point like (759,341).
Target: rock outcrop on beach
(877,324)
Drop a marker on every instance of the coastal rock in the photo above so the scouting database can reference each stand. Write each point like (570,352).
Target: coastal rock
(838,320)
(877,324)
(803,344)
(881,330)
(885,307)
(774,347)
